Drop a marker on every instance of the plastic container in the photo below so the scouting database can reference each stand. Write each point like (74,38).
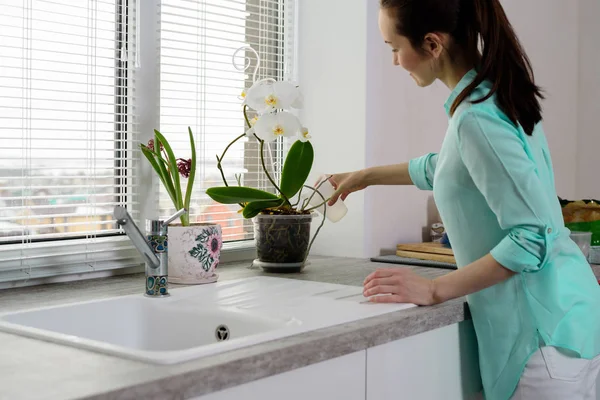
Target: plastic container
(594,255)
(282,239)
(584,241)
(333,213)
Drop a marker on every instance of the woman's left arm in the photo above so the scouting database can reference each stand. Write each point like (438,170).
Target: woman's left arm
(472,278)
(402,285)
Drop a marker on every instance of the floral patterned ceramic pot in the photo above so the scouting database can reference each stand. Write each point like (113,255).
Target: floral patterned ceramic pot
(194,253)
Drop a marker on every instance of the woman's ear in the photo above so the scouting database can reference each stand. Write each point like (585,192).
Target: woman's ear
(433,44)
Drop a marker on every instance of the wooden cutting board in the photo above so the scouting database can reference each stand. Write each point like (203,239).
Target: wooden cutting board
(426,251)
(434,248)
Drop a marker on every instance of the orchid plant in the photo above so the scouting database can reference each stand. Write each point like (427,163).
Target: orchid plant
(170,169)
(272,102)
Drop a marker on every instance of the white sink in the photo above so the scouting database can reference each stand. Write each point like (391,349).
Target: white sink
(196,321)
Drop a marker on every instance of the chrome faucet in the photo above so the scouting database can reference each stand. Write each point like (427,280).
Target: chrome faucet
(153,248)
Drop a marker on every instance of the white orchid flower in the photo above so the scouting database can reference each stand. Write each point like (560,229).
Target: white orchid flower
(273,125)
(268,96)
(242,96)
(304,135)
(250,131)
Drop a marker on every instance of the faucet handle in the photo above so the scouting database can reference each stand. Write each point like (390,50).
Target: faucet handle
(174,217)
(121,214)
(159,227)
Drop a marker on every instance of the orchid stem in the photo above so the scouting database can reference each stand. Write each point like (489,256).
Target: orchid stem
(219,159)
(319,205)
(299,198)
(262,160)
(304,204)
(322,220)
(246,116)
(317,188)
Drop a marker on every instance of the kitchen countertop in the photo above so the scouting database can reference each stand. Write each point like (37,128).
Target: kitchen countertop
(34,369)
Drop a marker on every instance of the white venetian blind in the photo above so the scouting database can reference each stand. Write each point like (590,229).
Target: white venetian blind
(201,88)
(66,135)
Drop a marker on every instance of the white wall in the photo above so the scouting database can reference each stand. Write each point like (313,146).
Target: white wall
(588,147)
(403,122)
(385,118)
(549,32)
(332,77)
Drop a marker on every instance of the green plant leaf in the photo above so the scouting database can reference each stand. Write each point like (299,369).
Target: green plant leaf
(172,166)
(164,173)
(298,164)
(238,194)
(161,174)
(190,184)
(254,208)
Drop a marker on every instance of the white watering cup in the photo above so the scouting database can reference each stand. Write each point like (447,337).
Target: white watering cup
(335,212)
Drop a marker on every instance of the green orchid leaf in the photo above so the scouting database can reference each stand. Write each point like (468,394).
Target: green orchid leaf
(163,165)
(238,194)
(161,172)
(298,164)
(172,166)
(254,208)
(190,184)
(164,173)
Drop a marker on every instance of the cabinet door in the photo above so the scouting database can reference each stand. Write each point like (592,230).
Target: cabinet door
(598,388)
(439,364)
(338,378)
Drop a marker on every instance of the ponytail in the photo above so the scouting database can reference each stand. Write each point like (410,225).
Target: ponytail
(475,25)
(503,62)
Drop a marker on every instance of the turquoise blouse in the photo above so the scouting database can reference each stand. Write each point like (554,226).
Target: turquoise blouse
(494,188)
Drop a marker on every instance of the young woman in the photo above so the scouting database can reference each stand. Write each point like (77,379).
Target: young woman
(533,297)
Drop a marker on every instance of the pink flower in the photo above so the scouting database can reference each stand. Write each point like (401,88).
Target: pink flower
(213,245)
(151,145)
(184,167)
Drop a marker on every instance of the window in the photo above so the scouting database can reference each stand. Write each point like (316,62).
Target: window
(66,135)
(71,123)
(200,87)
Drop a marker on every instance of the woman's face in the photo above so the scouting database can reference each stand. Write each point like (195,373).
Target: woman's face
(418,64)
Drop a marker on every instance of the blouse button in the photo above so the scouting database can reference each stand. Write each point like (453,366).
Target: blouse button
(549,230)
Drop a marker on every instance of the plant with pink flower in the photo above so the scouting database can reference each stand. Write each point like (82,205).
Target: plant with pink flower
(169,169)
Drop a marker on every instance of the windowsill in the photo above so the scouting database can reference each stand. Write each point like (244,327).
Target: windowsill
(238,251)
(230,253)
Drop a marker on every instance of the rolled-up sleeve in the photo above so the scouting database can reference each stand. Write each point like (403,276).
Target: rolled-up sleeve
(495,157)
(422,169)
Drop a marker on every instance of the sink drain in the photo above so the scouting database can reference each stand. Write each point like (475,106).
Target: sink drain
(222,333)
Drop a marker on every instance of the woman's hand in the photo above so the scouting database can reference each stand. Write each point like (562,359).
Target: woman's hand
(399,285)
(349,182)
(346,183)
(402,285)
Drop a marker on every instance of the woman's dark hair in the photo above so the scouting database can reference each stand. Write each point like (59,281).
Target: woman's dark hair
(502,60)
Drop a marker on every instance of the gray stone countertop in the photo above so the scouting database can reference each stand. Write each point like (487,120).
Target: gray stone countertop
(34,369)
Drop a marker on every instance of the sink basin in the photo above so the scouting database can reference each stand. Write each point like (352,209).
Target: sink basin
(196,321)
(142,326)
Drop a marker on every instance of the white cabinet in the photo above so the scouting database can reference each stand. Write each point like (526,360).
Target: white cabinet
(439,364)
(598,388)
(338,378)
